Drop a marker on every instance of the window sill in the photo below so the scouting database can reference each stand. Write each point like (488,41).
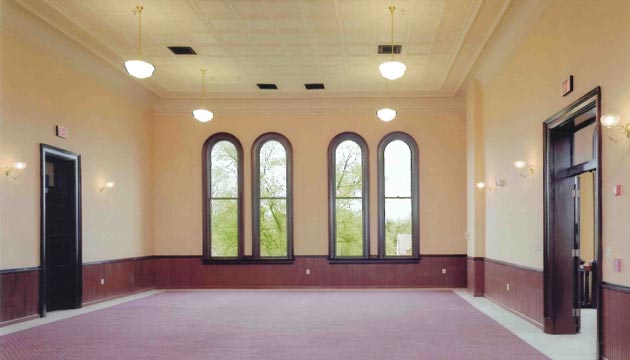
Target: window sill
(402,260)
(248,260)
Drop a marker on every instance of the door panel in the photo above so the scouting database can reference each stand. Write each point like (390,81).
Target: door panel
(61,238)
(565,265)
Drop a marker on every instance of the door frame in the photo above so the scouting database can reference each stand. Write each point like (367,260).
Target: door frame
(591,100)
(76,158)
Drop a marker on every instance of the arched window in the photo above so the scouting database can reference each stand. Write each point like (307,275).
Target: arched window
(272,197)
(348,190)
(223,197)
(398,223)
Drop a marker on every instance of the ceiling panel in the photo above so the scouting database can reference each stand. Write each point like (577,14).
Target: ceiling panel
(287,42)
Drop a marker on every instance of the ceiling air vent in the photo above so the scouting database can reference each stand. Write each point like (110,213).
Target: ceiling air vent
(387,49)
(267,86)
(316,86)
(182,50)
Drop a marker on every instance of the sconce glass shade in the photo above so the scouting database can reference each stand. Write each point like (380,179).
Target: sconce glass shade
(110,184)
(139,69)
(610,120)
(481,185)
(203,115)
(386,114)
(19,166)
(392,70)
(520,164)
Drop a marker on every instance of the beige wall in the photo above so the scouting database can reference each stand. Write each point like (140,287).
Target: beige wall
(438,125)
(111,134)
(591,40)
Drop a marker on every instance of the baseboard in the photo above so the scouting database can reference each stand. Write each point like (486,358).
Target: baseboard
(19,320)
(97,301)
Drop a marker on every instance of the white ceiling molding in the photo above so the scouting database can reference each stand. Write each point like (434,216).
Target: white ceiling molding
(26,24)
(256,107)
(515,25)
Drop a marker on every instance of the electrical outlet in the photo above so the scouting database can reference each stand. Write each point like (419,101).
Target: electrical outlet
(102,281)
(308,271)
(443,271)
(507,286)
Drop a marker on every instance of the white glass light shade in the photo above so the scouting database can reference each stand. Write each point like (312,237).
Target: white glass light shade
(386,114)
(481,185)
(610,120)
(19,166)
(392,70)
(202,115)
(110,184)
(139,69)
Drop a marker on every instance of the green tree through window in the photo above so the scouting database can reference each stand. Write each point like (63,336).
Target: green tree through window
(223,202)
(348,198)
(273,200)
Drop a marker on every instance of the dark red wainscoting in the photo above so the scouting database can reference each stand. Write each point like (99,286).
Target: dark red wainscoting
(121,277)
(189,272)
(525,295)
(20,288)
(475,273)
(616,322)
(19,295)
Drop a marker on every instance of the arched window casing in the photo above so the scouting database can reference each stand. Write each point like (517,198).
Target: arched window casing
(398,197)
(348,197)
(222,197)
(272,197)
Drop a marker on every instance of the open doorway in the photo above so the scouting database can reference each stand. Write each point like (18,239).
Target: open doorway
(572,253)
(61,272)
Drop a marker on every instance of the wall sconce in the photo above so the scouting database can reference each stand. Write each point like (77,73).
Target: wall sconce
(483,186)
(613,121)
(107,188)
(526,170)
(15,170)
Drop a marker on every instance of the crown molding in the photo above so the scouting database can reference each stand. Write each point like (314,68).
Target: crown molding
(24,19)
(517,22)
(255,107)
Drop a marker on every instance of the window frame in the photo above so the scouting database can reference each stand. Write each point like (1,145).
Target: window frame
(207,193)
(415,195)
(256,198)
(332,195)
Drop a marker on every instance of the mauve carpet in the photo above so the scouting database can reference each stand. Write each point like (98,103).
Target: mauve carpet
(232,324)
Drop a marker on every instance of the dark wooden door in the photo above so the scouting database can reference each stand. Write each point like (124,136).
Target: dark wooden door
(565,237)
(61,246)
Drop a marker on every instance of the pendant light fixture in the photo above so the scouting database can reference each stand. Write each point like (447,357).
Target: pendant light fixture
(392,70)
(201,114)
(386,114)
(138,68)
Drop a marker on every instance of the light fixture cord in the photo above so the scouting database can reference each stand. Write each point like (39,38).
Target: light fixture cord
(392,8)
(203,83)
(138,11)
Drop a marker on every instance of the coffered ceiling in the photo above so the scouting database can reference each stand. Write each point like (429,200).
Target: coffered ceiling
(290,43)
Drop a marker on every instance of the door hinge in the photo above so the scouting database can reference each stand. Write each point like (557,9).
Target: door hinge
(575,193)
(575,252)
(576,312)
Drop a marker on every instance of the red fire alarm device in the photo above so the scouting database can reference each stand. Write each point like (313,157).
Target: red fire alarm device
(618,190)
(62,132)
